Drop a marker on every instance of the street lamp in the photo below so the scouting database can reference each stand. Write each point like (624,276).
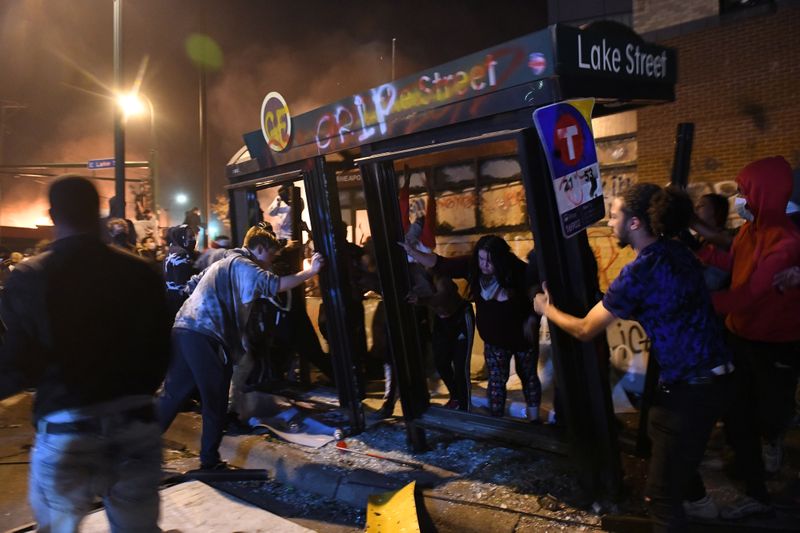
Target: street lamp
(181,199)
(131,104)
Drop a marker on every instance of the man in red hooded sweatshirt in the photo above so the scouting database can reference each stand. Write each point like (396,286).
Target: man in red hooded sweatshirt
(762,322)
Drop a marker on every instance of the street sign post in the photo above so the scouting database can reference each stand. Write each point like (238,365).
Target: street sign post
(565,129)
(95,164)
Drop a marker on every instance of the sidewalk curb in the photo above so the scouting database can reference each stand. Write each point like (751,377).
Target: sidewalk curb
(286,464)
(294,467)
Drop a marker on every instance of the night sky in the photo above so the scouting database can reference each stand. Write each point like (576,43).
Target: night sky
(57,61)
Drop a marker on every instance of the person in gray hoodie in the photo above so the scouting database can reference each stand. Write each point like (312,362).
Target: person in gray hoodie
(208,338)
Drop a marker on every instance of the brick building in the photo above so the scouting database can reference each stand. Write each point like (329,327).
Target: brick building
(738,76)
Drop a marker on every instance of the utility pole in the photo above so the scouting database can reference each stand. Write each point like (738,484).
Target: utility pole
(204,163)
(204,155)
(118,209)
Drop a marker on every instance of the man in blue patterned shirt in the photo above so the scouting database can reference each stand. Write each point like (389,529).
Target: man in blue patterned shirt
(663,289)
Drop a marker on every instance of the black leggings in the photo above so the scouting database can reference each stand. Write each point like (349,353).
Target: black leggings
(452,348)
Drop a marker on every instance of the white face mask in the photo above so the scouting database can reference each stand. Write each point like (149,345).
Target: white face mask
(740,204)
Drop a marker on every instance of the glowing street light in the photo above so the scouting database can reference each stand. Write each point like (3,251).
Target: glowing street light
(181,198)
(132,104)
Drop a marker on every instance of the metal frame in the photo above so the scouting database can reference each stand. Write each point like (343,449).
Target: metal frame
(581,380)
(505,113)
(323,200)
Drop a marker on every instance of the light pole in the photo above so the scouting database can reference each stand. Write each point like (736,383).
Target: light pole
(118,209)
(131,105)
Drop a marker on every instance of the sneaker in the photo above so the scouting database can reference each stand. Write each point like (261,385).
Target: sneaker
(704,508)
(219,465)
(745,507)
(772,453)
(532,413)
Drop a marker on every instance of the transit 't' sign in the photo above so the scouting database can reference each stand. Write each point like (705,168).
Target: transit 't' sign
(565,129)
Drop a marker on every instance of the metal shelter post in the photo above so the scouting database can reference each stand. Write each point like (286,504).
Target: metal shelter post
(580,369)
(324,206)
(380,190)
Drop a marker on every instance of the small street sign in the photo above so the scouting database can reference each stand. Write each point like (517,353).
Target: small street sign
(95,164)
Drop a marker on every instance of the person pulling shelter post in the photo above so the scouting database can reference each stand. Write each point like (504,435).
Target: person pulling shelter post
(664,289)
(95,379)
(208,334)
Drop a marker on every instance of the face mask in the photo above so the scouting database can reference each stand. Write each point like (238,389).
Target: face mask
(740,204)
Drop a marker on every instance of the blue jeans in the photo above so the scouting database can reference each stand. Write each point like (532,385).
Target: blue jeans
(120,462)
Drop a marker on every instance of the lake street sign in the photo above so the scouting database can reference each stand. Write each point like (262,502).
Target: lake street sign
(95,164)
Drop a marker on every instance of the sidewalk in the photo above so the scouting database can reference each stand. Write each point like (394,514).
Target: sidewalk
(466,485)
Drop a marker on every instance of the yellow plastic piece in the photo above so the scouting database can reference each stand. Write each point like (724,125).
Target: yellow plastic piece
(393,512)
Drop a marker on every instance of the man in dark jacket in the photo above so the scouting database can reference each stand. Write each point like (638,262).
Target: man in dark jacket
(95,377)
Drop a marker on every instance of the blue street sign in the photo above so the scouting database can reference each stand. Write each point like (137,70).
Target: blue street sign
(566,133)
(95,164)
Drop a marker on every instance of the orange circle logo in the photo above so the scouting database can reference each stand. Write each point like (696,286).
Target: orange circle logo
(276,122)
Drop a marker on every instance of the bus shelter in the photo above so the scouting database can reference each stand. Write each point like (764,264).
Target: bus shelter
(462,136)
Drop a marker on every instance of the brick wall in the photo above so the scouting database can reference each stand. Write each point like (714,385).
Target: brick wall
(738,82)
(649,15)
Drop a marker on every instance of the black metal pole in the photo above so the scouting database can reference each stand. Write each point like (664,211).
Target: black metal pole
(325,210)
(681,163)
(581,372)
(119,120)
(204,164)
(405,347)
(684,139)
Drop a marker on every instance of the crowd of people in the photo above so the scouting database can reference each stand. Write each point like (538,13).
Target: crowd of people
(720,311)
(730,354)
(97,415)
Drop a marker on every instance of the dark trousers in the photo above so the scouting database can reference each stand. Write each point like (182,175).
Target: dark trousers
(452,350)
(296,331)
(198,362)
(679,425)
(762,404)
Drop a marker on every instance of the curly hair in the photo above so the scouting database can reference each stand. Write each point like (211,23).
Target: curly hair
(670,211)
(662,212)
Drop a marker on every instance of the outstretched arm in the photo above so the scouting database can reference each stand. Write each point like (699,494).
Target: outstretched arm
(723,239)
(428,260)
(293,280)
(583,329)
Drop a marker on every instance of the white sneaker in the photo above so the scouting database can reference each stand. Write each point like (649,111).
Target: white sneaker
(772,453)
(532,413)
(704,508)
(744,507)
